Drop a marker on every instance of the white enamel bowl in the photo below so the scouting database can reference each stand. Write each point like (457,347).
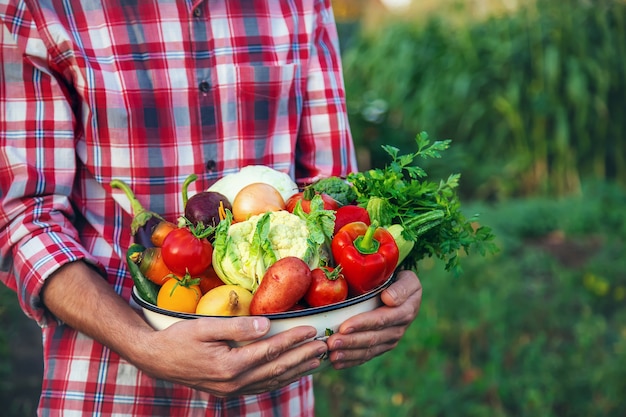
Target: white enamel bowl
(326,319)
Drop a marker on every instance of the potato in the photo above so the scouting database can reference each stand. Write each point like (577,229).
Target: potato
(284,284)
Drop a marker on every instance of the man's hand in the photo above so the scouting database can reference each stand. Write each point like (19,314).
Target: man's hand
(196,353)
(370,334)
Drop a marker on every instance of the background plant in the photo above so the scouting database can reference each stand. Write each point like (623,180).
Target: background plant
(537,330)
(541,90)
(534,104)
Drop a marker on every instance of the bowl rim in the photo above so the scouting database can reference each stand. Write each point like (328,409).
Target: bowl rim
(274,316)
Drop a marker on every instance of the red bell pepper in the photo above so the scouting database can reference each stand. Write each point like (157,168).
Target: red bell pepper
(349,214)
(367,254)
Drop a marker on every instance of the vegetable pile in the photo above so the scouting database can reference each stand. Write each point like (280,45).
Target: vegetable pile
(255,243)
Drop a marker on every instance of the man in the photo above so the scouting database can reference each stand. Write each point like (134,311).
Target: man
(149,92)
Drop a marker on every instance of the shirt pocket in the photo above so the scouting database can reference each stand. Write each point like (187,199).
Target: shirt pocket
(257,110)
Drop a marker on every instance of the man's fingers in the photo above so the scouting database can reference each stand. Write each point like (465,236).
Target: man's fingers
(276,362)
(236,329)
(399,291)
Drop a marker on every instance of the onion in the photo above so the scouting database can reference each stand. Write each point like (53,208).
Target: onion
(231,184)
(256,198)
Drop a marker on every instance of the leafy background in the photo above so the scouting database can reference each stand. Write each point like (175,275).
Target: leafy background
(533,96)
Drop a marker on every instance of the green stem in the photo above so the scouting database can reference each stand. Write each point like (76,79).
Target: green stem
(366,244)
(141,216)
(332,274)
(199,230)
(191,178)
(134,203)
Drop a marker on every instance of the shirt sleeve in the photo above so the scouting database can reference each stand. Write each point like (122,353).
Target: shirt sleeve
(37,165)
(325,146)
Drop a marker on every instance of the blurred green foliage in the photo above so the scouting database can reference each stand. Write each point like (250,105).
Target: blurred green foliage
(534,102)
(537,330)
(20,359)
(539,93)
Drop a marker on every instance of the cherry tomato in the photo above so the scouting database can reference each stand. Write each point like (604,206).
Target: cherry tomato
(328,286)
(209,280)
(180,295)
(305,197)
(184,253)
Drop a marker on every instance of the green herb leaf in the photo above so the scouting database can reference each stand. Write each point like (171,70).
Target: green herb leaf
(429,212)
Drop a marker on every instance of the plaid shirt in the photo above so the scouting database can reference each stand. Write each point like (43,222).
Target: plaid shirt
(149,92)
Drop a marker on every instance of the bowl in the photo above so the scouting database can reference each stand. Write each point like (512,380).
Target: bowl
(325,319)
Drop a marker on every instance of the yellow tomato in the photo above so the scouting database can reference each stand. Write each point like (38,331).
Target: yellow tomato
(178,295)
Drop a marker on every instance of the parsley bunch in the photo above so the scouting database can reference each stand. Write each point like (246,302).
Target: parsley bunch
(429,212)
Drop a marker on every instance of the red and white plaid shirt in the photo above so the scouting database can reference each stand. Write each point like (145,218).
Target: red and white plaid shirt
(149,92)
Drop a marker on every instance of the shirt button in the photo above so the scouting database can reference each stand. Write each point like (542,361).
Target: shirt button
(197,12)
(210,165)
(205,86)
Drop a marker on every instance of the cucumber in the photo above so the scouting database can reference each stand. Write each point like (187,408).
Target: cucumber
(419,225)
(404,246)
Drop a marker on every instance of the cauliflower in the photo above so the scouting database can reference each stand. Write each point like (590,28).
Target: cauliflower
(243,251)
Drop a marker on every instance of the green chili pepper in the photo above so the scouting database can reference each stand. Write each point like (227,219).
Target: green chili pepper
(147,289)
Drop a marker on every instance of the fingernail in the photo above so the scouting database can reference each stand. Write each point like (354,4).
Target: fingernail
(337,344)
(260,325)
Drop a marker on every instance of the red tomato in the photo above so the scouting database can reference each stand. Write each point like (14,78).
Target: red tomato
(209,280)
(328,286)
(305,197)
(185,253)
